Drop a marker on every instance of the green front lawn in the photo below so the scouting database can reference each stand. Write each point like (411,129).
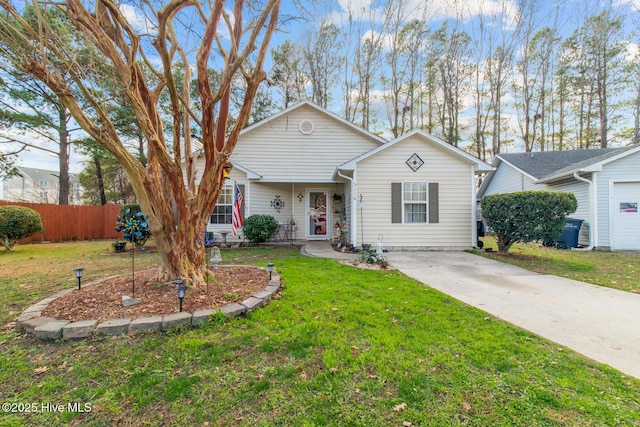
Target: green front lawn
(618,270)
(339,347)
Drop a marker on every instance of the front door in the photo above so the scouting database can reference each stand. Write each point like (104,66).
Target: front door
(318,221)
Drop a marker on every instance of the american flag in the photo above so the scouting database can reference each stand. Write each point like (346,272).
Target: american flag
(237,212)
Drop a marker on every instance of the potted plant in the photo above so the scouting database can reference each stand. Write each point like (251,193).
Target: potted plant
(119,246)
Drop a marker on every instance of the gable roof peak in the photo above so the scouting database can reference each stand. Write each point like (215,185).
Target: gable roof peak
(539,164)
(317,108)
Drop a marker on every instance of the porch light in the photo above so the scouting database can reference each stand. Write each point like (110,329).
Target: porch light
(79,275)
(226,170)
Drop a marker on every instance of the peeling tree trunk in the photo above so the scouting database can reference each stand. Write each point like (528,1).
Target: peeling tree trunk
(178,212)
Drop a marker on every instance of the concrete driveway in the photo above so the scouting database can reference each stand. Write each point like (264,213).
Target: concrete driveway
(598,322)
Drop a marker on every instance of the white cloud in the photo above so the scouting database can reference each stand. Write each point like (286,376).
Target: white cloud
(633,50)
(138,19)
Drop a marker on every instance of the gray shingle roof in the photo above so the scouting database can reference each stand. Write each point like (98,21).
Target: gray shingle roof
(45,175)
(547,163)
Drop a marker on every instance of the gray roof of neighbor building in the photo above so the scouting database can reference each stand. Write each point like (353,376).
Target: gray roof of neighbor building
(547,163)
(44,174)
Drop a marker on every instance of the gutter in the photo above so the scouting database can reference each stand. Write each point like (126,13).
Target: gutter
(591,213)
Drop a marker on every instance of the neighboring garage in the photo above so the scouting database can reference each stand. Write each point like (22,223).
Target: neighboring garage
(625,218)
(606,183)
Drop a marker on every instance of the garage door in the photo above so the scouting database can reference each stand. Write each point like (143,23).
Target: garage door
(625,216)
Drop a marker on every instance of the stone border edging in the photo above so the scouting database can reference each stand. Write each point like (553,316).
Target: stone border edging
(32,321)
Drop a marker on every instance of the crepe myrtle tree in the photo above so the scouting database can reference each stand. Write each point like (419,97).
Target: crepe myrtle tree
(527,216)
(130,54)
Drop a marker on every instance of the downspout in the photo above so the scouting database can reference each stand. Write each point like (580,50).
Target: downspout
(354,212)
(474,209)
(591,213)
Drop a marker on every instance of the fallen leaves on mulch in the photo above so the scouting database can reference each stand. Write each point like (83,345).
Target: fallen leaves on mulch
(103,301)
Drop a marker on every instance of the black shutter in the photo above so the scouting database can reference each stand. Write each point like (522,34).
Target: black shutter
(434,208)
(396,202)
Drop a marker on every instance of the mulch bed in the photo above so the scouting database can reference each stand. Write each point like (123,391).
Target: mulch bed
(103,301)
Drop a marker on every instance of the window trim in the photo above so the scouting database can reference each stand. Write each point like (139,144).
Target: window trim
(404,202)
(433,202)
(224,188)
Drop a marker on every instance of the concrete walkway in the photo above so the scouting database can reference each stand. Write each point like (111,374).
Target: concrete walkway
(600,323)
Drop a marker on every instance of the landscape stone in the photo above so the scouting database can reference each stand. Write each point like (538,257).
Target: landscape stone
(62,293)
(27,315)
(145,324)
(202,316)
(35,308)
(80,329)
(264,295)
(233,310)
(50,330)
(113,327)
(272,289)
(30,325)
(127,301)
(252,303)
(174,319)
(46,301)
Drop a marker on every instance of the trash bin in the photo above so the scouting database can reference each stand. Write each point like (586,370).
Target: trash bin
(569,237)
(480,232)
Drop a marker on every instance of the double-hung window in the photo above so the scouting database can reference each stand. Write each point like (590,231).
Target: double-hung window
(414,202)
(223,212)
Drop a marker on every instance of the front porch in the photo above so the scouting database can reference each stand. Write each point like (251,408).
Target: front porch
(304,211)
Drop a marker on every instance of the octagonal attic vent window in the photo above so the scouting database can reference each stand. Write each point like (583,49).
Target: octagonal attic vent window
(306,127)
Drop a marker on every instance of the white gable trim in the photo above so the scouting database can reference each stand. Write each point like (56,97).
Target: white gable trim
(595,167)
(267,121)
(533,178)
(479,165)
(496,164)
(250,174)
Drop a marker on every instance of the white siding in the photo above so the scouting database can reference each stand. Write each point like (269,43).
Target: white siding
(506,179)
(581,191)
(280,152)
(264,193)
(240,179)
(625,169)
(375,175)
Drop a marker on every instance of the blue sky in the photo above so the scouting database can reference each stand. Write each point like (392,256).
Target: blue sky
(336,11)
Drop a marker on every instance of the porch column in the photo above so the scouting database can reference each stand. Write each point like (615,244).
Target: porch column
(354,210)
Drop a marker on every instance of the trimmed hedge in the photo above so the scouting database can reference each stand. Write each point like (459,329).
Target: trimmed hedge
(527,216)
(17,222)
(259,228)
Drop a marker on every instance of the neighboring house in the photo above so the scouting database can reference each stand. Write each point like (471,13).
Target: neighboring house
(309,167)
(39,186)
(606,183)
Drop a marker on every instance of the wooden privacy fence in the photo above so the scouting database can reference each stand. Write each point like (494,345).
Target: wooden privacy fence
(65,223)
